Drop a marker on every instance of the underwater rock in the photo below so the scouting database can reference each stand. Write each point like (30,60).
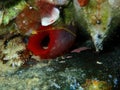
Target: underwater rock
(76,73)
(99,18)
(51,42)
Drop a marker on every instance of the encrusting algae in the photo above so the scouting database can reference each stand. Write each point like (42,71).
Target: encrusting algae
(96,85)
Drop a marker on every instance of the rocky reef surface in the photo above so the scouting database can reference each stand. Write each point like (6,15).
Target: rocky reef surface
(84,69)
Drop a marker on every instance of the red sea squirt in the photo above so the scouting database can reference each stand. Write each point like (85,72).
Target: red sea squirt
(57,41)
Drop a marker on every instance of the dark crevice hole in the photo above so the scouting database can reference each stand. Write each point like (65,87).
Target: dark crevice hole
(45,42)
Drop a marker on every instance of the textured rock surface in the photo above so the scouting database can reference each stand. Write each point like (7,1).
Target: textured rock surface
(99,18)
(69,72)
(63,74)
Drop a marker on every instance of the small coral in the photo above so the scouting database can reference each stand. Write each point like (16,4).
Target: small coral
(11,50)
